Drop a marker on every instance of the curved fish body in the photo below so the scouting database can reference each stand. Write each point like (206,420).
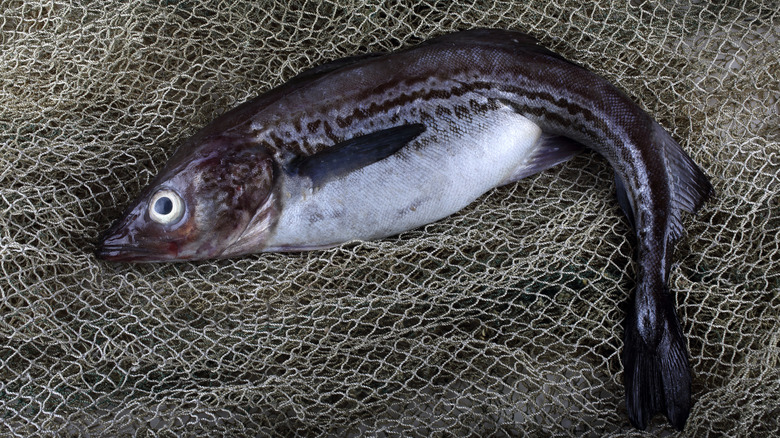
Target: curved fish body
(370,146)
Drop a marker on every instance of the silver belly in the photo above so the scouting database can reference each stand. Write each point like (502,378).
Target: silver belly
(449,166)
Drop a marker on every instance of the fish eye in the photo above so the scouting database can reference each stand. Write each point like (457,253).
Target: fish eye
(166,207)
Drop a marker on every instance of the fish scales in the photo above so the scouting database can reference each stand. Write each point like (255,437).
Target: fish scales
(569,114)
(401,101)
(370,146)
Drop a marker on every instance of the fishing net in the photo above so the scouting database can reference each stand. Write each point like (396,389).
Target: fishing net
(502,320)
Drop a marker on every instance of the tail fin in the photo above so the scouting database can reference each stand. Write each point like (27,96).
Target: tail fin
(657,374)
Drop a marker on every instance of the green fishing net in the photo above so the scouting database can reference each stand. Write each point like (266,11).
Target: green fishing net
(503,320)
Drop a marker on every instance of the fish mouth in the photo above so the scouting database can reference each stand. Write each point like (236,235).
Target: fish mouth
(123,242)
(127,253)
(122,253)
(119,250)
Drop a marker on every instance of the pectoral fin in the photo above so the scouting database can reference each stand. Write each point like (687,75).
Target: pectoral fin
(353,154)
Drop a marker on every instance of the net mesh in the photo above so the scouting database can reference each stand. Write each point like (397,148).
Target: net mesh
(505,319)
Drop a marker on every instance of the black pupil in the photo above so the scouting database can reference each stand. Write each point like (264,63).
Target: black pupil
(163,206)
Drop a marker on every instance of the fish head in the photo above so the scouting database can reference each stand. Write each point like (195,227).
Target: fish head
(198,207)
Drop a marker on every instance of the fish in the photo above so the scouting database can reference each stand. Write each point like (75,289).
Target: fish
(372,145)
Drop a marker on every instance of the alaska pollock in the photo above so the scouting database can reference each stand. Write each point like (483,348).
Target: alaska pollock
(370,146)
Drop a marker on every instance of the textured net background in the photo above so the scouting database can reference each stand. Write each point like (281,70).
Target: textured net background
(502,320)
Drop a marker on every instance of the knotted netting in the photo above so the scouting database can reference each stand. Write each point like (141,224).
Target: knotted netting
(503,320)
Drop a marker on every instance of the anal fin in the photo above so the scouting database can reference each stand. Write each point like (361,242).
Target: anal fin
(624,201)
(549,151)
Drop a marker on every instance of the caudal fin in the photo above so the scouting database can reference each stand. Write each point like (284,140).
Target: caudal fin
(657,373)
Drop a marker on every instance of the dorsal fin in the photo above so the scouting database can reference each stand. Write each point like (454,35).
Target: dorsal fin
(690,186)
(334,65)
(513,40)
(246,110)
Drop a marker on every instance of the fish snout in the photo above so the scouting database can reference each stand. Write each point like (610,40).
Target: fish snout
(117,245)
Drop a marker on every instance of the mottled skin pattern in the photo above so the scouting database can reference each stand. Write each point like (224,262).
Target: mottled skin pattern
(225,183)
(232,167)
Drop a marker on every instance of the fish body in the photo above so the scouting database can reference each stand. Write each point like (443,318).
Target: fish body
(440,172)
(370,146)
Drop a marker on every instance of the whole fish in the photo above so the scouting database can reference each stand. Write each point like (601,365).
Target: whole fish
(370,146)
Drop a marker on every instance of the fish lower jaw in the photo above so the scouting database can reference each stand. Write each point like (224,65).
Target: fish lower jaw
(131,253)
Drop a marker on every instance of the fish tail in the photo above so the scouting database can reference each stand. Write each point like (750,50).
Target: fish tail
(657,374)
(655,358)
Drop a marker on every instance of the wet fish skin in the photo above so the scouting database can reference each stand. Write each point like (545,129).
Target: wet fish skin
(467,89)
(224,183)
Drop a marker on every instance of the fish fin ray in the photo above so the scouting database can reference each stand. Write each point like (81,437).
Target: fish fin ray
(509,39)
(353,154)
(330,66)
(550,150)
(624,201)
(657,375)
(690,186)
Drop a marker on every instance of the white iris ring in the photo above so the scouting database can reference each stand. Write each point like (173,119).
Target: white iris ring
(166,207)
